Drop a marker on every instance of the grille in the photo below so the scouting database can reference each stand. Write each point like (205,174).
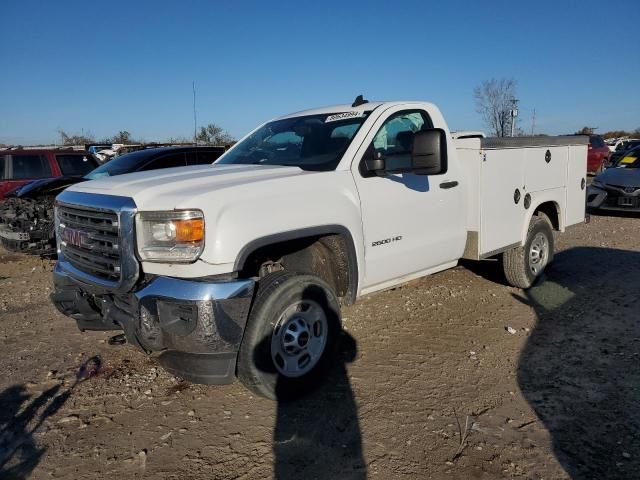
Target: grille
(90,241)
(625,189)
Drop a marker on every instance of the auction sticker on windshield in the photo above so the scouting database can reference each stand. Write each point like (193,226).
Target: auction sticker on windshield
(627,160)
(344,116)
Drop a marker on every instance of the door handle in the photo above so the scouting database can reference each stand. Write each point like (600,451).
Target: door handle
(449,184)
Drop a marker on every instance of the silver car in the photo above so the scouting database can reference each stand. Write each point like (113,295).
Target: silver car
(618,187)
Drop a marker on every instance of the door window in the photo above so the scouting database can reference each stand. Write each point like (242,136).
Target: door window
(29,166)
(394,140)
(76,165)
(203,157)
(3,164)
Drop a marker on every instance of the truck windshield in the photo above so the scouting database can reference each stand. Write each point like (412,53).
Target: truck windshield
(312,142)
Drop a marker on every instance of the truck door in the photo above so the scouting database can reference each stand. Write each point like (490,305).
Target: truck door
(411,223)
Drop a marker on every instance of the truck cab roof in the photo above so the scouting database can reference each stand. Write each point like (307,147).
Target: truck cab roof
(347,107)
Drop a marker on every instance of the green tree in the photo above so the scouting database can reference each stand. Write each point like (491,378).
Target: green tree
(213,134)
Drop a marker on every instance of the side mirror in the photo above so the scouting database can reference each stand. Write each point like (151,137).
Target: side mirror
(373,164)
(429,153)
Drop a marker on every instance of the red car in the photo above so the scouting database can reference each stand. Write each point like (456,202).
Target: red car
(18,167)
(597,155)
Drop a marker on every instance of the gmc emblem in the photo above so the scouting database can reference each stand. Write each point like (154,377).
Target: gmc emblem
(77,238)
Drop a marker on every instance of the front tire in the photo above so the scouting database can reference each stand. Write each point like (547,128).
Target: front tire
(291,335)
(523,265)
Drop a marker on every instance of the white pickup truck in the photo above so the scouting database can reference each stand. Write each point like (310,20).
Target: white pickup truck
(239,268)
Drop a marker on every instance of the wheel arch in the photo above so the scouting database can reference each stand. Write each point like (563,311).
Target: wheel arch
(550,207)
(552,210)
(327,251)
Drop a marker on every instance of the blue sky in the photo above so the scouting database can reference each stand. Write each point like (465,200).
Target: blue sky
(109,66)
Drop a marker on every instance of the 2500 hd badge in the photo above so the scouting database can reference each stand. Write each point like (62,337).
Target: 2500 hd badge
(386,240)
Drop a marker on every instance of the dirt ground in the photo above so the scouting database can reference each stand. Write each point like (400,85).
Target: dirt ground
(431,384)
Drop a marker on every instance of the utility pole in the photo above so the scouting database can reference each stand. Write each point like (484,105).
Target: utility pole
(514,114)
(533,123)
(195,127)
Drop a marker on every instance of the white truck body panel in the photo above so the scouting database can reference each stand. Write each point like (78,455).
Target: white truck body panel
(356,199)
(244,202)
(437,225)
(493,176)
(408,206)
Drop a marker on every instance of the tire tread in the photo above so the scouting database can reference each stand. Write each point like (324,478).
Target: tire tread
(514,261)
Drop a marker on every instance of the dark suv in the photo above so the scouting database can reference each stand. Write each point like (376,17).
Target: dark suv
(18,167)
(26,216)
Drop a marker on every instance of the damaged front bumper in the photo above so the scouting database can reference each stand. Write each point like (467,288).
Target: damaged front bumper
(194,327)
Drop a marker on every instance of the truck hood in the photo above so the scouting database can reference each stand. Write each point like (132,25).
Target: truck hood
(622,177)
(170,188)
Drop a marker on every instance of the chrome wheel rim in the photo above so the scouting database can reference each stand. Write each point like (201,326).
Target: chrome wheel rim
(538,253)
(299,338)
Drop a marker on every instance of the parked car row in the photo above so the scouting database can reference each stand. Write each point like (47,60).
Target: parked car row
(32,179)
(622,149)
(19,167)
(619,144)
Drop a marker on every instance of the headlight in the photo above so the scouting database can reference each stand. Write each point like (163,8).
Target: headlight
(596,183)
(175,236)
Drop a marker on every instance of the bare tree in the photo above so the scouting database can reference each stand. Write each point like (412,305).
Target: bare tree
(75,139)
(586,131)
(213,134)
(122,137)
(494,101)
(180,140)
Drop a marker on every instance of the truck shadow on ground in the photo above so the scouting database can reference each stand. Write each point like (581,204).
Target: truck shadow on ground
(579,369)
(22,414)
(318,436)
(490,269)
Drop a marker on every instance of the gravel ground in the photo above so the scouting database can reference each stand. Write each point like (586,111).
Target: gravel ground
(431,384)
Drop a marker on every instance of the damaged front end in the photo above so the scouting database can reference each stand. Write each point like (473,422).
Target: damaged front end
(27,225)
(27,219)
(194,327)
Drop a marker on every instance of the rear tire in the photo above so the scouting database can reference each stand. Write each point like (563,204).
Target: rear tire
(291,336)
(523,265)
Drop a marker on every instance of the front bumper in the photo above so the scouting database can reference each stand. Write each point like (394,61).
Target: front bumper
(614,199)
(194,327)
